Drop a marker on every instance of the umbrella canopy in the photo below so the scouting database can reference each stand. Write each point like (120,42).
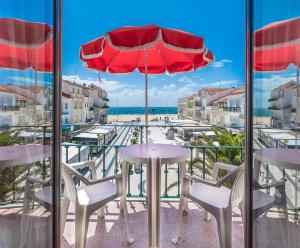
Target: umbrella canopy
(25,45)
(277,45)
(168,50)
(149,49)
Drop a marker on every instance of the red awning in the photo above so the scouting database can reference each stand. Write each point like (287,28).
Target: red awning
(25,45)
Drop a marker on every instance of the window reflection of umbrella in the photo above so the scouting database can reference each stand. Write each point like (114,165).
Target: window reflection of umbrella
(25,45)
(276,46)
(150,49)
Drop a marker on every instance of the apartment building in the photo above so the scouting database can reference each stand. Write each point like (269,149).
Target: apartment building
(215,106)
(24,105)
(201,103)
(100,104)
(83,103)
(283,105)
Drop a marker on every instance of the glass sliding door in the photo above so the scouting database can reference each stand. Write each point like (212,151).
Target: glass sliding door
(274,123)
(28,136)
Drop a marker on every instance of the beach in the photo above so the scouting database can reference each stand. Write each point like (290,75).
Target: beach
(134,117)
(266,121)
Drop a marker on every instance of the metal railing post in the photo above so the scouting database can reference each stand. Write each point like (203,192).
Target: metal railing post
(166,180)
(116,159)
(79,153)
(141,134)
(203,165)
(141,180)
(44,163)
(178,182)
(129,173)
(191,161)
(67,153)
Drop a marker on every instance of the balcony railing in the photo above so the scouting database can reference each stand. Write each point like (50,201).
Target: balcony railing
(232,109)
(108,162)
(274,108)
(9,108)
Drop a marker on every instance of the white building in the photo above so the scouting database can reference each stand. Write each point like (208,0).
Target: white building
(283,106)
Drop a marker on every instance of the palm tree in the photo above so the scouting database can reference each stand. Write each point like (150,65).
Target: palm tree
(225,146)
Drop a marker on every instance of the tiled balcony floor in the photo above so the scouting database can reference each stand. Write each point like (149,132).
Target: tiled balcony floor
(109,232)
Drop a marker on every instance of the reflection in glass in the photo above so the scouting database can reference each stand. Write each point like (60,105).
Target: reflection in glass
(276,142)
(25,130)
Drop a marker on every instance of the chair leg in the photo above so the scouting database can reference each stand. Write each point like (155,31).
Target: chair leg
(81,226)
(64,212)
(284,227)
(25,222)
(179,220)
(224,222)
(125,211)
(186,205)
(101,212)
(242,209)
(207,215)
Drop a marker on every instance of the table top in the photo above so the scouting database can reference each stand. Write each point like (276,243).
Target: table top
(286,158)
(23,154)
(140,153)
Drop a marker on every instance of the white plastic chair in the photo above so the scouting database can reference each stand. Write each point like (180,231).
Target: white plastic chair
(88,198)
(215,198)
(43,195)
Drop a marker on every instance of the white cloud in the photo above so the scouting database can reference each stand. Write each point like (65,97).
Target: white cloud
(108,85)
(27,80)
(185,79)
(221,63)
(222,83)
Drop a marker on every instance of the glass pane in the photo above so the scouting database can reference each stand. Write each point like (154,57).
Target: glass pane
(25,123)
(276,122)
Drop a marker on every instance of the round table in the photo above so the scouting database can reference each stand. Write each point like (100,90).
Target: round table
(282,158)
(23,154)
(153,155)
(285,158)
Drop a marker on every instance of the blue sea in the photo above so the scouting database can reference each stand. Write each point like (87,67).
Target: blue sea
(261,112)
(141,110)
(258,112)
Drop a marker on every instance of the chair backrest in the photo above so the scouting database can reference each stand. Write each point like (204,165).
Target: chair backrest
(237,193)
(70,187)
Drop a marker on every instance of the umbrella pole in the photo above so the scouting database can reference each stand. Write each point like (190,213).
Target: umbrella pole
(146,94)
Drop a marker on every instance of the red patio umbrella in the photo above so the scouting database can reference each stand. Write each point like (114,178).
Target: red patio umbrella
(149,49)
(25,45)
(277,45)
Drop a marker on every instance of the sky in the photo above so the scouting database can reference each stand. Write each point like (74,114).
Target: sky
(220,23)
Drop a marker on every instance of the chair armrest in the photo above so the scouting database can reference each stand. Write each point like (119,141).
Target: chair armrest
(84,164)
(269,185)
(81,165)
(224,166)
(199,180)
(221,166)
(33,179)
(119,176)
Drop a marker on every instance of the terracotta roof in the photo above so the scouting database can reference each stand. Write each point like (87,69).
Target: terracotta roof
(32,87)
(213,90)
(4,89)
(17,95)
(238,91)
(286,85)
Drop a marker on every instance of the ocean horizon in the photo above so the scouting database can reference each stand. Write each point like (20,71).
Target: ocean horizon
(141,110)
(258,112)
